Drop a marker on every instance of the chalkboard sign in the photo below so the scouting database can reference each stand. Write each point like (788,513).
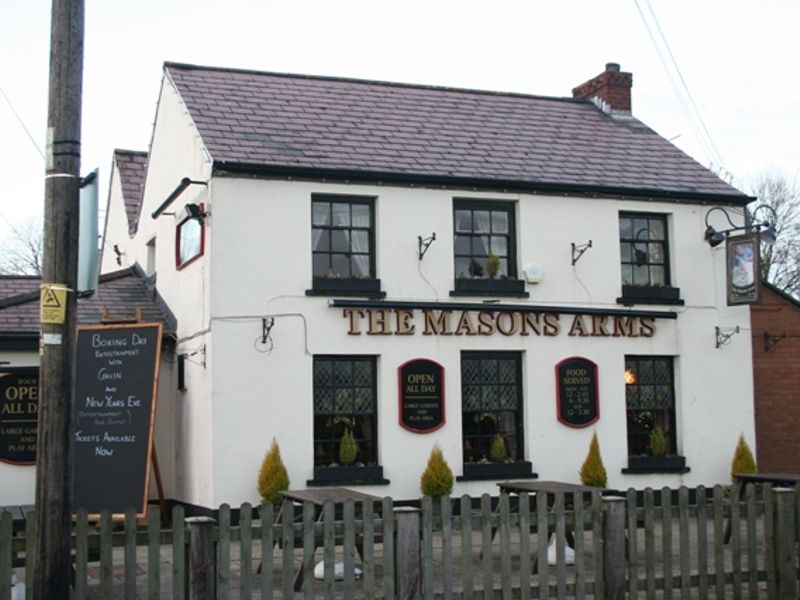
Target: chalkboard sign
(115,402)
(421,395)
(19,411)
(576,382)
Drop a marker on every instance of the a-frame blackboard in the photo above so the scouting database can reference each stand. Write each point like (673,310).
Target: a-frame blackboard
(114,411)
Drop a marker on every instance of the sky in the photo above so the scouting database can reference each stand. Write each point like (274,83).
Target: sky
(738,59)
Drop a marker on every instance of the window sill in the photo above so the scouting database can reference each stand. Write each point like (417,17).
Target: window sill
(490,287)
(365,288)
(333,476)
(638,465)
(495,471)
(634,294)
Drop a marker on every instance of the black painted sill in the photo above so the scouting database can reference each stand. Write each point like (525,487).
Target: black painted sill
(496,471)
(490,287)
(362,288)
(333,476)
(636,294)
(638,465)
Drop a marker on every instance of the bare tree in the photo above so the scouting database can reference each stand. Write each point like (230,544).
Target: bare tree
(780,262)
(21,251)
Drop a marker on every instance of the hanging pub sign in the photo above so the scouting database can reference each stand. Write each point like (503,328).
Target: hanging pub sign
(19,412)
(421,395)
(743,269)
(576,388)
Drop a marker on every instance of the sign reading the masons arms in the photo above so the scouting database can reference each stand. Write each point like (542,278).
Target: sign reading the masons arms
(421,395)
(19,411)
(576,384)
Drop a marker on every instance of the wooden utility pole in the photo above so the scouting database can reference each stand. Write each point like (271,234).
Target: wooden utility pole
(59,303)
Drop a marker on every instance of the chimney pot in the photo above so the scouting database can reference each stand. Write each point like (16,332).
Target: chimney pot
(612,87)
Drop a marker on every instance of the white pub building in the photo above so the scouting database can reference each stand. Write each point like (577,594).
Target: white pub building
(419,265)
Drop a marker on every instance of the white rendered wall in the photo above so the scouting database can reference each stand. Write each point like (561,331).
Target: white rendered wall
(116,228)
(261,239)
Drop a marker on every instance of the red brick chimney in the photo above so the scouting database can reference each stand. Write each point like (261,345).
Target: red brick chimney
(611,86)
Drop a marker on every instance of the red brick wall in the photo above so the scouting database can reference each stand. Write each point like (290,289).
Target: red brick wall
(776,382)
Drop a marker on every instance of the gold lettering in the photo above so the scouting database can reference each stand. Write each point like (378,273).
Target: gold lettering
(403,317)
(354,315)
(647,327)
(510,327)
(551,324)
(578,327)
(486,323)
(532,320)
(623,327)
(465,325)
(437,324)
(600,326)
(378,321)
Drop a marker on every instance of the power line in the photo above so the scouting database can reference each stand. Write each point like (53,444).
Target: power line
(22,124)
(682,92)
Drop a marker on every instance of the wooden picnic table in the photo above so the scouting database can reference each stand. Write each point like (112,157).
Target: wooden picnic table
(319,497)
(781,479)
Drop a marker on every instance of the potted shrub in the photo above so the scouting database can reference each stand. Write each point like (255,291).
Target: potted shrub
(492,265)
(498,452)
(743,462)
(272,477)
(592,471)
(348,448)
(660,457)
(437,478)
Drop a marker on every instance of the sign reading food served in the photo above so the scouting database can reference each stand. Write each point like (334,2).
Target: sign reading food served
(576,385)
(115,402)
(19,411)
(421,395)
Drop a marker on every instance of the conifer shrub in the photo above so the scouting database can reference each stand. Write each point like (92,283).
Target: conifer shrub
(492,265)
(743,462)
(348,448)
(658,442)
(593,472)
(437,479)
(498,450)
(272,477)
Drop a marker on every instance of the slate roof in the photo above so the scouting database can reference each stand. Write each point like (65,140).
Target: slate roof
(121,292)
(281,123)
(132,166)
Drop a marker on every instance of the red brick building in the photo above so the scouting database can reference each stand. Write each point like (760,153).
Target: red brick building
(776,380)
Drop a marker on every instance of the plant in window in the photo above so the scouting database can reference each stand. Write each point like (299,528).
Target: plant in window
(743,462)
(492,265)
(348,448)
(475,269)
(659,445)
(437,479)
(272,477)
(593,472)
(498,452)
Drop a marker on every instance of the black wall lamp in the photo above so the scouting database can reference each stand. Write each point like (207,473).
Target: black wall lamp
(195,212)
(765,228)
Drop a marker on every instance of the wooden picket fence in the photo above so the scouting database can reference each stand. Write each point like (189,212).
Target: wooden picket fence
(719,543)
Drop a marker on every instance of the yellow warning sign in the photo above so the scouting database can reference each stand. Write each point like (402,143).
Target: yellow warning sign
(53,303)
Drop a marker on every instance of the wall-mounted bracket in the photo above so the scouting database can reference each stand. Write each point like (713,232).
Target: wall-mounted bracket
(578,250)
(424,244)
(724,334)
(770,341)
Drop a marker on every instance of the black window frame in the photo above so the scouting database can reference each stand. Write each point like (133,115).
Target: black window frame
(483,468)
(642,379)
(345,286)
(507,285)
(326,471)
(637,250)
